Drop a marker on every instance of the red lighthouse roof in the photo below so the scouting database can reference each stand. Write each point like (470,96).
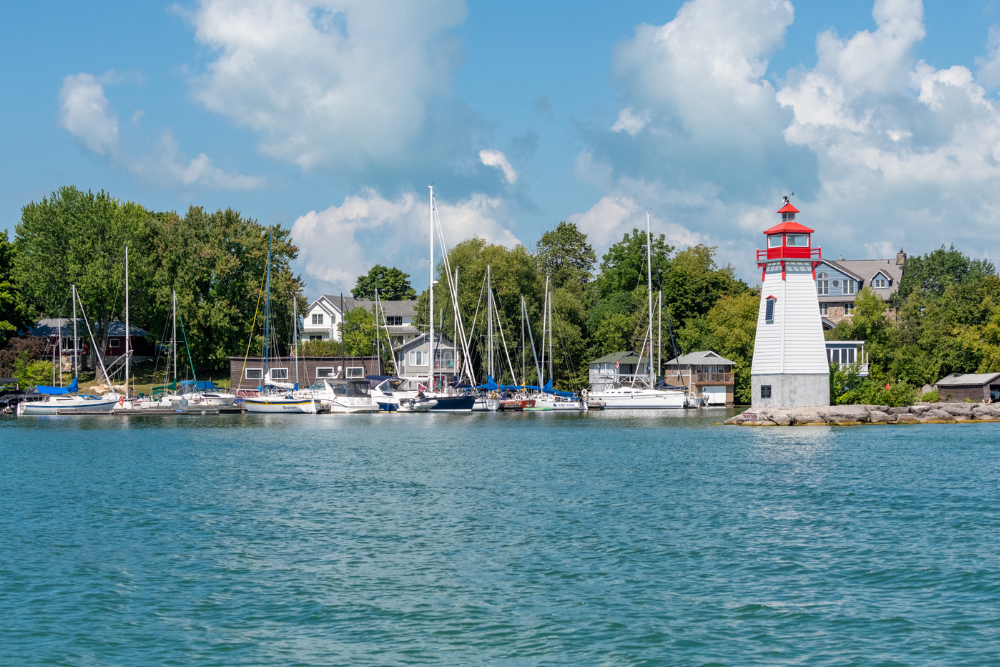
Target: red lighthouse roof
(790,227)
(788,208)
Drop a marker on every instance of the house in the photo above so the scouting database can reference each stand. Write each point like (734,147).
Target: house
(618,367)
(977,387)
(846,353)
(51,328)
(323,316)
(705,373)
(838,283)
(413,358)
(248,374)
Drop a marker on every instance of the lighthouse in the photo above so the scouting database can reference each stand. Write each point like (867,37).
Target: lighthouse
(789,357)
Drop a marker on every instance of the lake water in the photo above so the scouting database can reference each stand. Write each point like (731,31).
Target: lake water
(600,539)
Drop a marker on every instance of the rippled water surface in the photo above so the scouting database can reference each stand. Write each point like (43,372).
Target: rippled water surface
(623,539)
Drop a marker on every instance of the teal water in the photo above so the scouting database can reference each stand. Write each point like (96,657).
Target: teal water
(602,539)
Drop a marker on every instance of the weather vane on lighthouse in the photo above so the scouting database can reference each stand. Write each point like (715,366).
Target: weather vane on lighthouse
(789,358)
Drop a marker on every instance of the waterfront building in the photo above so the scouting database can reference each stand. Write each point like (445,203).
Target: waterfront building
(975,387)
(846,353)
(248,374)
(114,345)
(617,368)
(323,316)
(790,367)
(838,283)
(413,359)
(705,373)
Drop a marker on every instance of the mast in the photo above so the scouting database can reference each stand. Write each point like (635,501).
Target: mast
(295,335)
(551,327)
(59,321)
(649,277)
(430,289)
(489,320)
(454,333)
(267,305)
(76,344)
(378,345)
(173,341)
(545,314)
(128,338)
(659,329)
(524,357)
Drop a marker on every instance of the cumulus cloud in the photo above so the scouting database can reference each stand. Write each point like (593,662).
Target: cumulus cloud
(367,229)
(86,113)
(344,84)
(631,122)
(494,158)
(614,216)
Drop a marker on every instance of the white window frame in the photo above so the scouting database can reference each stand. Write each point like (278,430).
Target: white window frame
(848,309)
(850,286)
(418,357)
(823,284)
(769,309)
(253,374)
(114,343)
(880,282)
(824,309)
(279,373)
(355,372)
(793,240)
(775,241)
(327,372)
(317,319)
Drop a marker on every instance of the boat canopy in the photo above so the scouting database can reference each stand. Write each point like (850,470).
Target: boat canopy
(491,385)
(71,389)
(194,385)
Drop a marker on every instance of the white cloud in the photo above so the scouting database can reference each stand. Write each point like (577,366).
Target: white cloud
(342,242)
(614,216)
(494,158)
(342,84)
(631,122)
(85,112)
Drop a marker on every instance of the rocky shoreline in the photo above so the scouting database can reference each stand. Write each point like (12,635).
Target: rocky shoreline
(848,415)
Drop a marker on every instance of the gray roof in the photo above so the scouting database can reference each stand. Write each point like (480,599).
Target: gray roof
(422,340)
(968,379)
(50,327)
(391,308)
(403,329)
(700,357)
(627,357)
(864,270)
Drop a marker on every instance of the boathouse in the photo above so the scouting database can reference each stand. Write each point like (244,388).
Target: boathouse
(975,387)
(705,373)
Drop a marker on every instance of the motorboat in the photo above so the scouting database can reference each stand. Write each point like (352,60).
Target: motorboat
(390,392)
(559,403)
(343,396)
(416,405)
(205,394)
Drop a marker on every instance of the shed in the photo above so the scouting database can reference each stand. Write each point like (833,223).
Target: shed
(977,387)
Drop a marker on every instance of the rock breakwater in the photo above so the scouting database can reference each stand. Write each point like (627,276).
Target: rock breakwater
(926,413)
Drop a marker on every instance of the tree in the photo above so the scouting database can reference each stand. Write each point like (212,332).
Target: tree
(933,272)
(695,283)
(729,328)
(623,267)
(391,283)
(565,254)
(357,331)
(11,311)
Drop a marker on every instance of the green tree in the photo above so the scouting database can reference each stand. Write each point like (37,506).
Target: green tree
(933,272)
(357,331)
(11,312)
(623,267)
(391,283)
(565,254)
(695,283)
(729,328)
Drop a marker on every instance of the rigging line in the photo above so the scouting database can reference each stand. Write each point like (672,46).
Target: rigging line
(194,375)
(513,375)
(454,291)
(249,342)
(531,337)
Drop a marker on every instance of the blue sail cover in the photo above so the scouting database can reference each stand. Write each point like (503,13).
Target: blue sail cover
(191,385)
(492,385)
(71,389)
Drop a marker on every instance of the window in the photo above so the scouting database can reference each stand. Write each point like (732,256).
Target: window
(324,372)
(254,373)
(774,241)
(765,391)
(850,355)
(880,282)
(769,311)
(315,338)
(114,342)
(355,371)
(822,284)
(848,308)
(317,318)
(394,320)
(445,359)
(836,283)
(419,357)
(279,373)
(835,356)
(797,240)
(850,286)
(824,309)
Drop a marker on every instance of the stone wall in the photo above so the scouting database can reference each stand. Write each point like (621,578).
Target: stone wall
(868,414)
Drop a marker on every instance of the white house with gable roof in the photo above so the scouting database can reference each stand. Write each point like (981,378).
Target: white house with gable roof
(322,318)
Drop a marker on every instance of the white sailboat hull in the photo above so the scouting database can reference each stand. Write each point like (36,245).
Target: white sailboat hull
(278,405)
(52,405)
(627,398)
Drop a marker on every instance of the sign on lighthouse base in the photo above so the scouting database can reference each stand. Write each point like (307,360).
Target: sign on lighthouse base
(790,367)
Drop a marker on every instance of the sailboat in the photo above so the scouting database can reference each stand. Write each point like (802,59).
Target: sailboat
(68,399)
(622,396)
(276,397)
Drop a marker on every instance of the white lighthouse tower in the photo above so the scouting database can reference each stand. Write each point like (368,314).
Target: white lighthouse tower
(789,355)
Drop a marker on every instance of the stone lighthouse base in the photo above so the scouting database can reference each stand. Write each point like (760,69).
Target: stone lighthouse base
(790,391)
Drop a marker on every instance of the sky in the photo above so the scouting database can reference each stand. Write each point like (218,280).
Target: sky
(331,118)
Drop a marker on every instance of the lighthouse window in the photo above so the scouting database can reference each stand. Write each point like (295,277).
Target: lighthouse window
(799,240)
(774,241)
(769,312)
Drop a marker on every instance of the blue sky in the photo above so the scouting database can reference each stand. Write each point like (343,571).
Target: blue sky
(332,117)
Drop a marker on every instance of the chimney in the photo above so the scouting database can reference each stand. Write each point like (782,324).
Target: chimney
(900,257)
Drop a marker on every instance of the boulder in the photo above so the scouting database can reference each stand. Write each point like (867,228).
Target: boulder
(955,409)
(879,417)
(839,414)
(781,418)
(734,421)
(933,415)
(898,411)
(920,410)
(906,418)
(806,416)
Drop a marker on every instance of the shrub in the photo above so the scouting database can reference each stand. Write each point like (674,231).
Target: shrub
(930,396)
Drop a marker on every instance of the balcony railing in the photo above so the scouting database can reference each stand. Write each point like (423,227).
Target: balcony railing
(707,378)
(771,254)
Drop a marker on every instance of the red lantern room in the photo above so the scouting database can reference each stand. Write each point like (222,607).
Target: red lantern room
(788,241)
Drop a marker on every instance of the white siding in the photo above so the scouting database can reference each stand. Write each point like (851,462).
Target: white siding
(794,342)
